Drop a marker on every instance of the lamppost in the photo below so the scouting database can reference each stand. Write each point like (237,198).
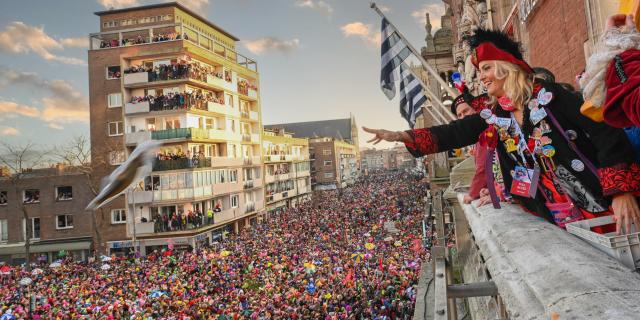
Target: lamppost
(133,218)
(26,282)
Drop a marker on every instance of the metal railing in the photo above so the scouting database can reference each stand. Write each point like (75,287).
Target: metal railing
(182,163)
(115,38)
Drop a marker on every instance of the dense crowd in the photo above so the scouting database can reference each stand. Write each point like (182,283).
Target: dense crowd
(179,100)
(331,258)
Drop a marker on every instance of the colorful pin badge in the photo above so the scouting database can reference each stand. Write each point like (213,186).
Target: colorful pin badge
(545,140)
(549,151)
(571,134)
(492,119)
(503,122)
(533,104)
(510,145)
(544,97)
(537,115)
(485,114)
(545,127)
(577,165)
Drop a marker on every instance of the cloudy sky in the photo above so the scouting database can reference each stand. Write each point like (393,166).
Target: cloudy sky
(318,59)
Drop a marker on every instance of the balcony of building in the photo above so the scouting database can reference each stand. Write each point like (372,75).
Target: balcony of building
(180,164)
(195,134)
(277,196)
(248,88)
(171,32)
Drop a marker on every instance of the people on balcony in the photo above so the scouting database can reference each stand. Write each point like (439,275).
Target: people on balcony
(180,100)
(112,43)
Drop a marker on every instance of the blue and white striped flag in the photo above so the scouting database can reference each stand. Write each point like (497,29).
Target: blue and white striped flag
(393,51)
(411,95)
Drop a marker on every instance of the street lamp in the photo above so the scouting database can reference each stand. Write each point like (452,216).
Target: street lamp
(26,282)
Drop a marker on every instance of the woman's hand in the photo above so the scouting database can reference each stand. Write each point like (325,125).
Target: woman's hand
(386,135)
(625,211)
(620,20)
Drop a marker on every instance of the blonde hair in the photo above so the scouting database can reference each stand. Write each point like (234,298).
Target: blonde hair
(518,84)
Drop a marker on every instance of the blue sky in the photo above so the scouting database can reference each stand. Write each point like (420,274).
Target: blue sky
(318,59)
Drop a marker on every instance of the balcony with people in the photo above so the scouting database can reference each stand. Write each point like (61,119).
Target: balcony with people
(162,71)
(248,88)
(171,32)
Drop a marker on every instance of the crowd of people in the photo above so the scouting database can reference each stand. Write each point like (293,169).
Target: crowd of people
(178,70)
(179,100)
(330,258)
(141,40)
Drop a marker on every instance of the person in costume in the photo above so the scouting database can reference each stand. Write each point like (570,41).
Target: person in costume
(465,105)
(577,168)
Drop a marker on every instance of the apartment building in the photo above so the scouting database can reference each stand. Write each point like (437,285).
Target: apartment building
(287,174)
(334,163)
(54,200)
(165,73)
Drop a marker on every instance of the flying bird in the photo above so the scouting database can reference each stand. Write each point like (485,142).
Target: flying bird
(138,165)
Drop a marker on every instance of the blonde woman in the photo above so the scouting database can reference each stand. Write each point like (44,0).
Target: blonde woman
(555,162)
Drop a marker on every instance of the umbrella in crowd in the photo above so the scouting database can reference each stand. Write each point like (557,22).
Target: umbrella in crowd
(55,265)
(156,294)
(36,271)
(105,267)
(105,259)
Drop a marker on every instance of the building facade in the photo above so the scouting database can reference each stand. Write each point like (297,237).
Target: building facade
(163,72)
(287,174)
(334,163)
(54,200)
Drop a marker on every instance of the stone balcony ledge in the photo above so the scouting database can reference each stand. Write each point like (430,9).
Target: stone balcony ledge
(541,270)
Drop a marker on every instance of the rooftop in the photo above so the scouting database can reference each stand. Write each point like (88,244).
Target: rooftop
(337,128)
(169,4)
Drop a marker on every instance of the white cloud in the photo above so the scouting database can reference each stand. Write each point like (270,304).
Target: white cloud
(436,10)
(11,109)
(383,8)
(64,104)
(9,131)
(361,30)
(81,42)
(261,45)
(19,38)
(118,4)
(55,126)
(318,5)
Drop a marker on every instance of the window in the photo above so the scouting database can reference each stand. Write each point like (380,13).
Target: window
(326,152)
(114,100)
(3,198)
(327,162)
(234,201)
(116,128)
(31,196)
(116,157)
(4,235)
(64,221)
(35,228)
(118,216)
(328,174)
(113,72)
(233,175)
(64,193)
(151,124)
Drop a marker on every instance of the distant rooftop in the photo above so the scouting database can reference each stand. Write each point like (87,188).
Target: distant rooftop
(169,4)
(338,128)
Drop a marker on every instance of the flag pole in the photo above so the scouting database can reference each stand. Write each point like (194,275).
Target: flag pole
(425,64)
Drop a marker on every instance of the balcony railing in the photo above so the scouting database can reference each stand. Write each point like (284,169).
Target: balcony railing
(183,163)
(113,39)
(249,207)
(248,184)
(180,133)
